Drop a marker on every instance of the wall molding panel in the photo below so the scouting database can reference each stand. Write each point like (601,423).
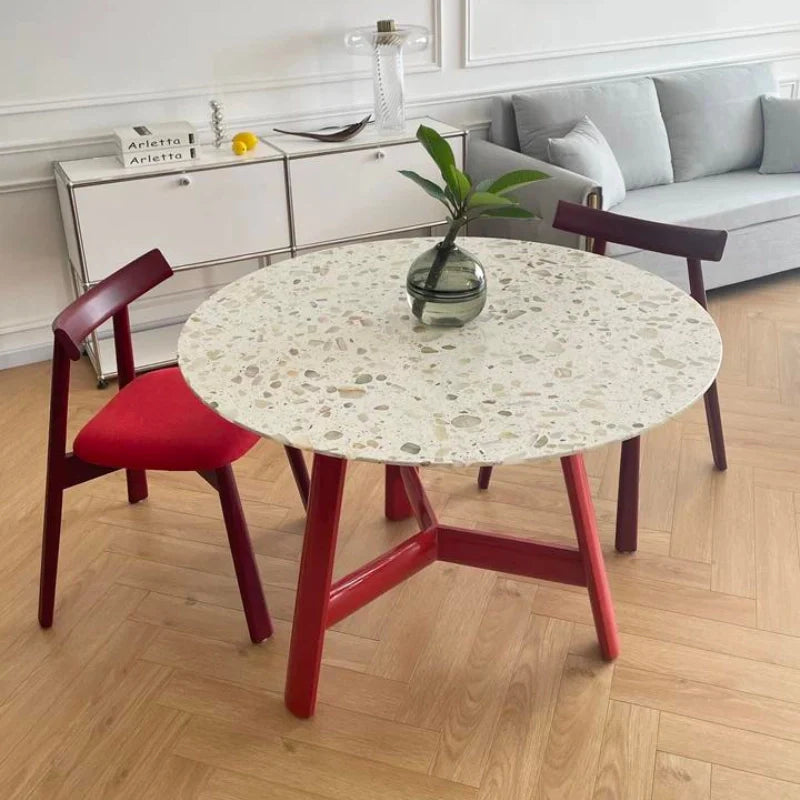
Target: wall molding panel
(473,59)
(27,185)
(260,84)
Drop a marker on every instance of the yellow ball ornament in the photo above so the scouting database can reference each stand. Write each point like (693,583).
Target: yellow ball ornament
(250,140)
(240,148)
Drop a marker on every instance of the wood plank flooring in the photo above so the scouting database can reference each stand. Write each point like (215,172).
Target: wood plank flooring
(459,685)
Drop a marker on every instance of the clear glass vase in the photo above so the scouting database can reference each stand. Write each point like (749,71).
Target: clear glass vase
(446,286)
(386,43)
(387,82)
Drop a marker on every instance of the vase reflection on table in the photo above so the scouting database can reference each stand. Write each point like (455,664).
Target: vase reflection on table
(446,285)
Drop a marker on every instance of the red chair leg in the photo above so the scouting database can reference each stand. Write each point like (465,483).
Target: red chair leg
(137,485)
(580,500)
(396,505)
(714,418)
(484,476)
(314,584)
(51,537)
(300,472)
(244,562)
(627,535)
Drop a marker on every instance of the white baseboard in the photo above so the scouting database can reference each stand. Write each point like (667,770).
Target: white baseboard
(26,344)
(30,354)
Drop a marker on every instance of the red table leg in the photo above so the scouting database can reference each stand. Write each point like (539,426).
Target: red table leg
(321,604)
(580,501)
(314,584)
(396,504)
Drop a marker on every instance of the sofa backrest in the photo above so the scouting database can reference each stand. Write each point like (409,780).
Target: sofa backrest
(503,130)
(676,126)
(626,112)
(714,119)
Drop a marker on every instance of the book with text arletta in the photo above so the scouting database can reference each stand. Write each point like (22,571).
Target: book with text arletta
(149,158)
(141,138)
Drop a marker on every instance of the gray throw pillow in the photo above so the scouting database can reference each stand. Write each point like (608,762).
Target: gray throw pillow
(713,118)
(626,112)
(584,150)
(781,135)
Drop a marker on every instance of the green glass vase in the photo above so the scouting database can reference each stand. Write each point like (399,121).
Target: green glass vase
(446,286)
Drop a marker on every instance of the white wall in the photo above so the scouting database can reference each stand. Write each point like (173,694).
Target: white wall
(70,71)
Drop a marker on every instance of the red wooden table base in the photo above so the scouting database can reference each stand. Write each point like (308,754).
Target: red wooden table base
(321,603)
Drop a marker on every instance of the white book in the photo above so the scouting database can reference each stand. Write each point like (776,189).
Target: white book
(139,138)
(149,158)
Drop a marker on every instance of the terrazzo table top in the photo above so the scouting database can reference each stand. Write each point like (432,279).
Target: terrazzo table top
(572,351)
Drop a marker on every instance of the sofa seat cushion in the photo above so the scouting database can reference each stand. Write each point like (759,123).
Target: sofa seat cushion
(730,201)
(625,112)
(713,118)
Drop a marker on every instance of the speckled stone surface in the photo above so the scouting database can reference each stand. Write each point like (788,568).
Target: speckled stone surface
(572,351)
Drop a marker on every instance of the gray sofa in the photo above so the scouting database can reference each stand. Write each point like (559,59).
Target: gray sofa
(689,146)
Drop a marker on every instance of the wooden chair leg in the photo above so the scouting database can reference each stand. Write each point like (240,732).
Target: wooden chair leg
(627,535)
(580,501)
(396,505)
(484,476)
(300,472)
(714,418)
(244,562)
(697,290)
(314,584)
(51,537)
(137,485)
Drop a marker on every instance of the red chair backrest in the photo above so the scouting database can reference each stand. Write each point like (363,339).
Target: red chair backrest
(696,244)
(107,298)
(110,298)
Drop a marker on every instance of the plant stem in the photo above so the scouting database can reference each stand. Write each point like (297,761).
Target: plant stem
(442,254)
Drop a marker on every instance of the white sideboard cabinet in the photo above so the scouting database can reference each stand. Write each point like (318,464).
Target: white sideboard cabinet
(287,195)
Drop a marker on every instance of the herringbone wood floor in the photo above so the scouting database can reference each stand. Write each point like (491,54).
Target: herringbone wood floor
(460,684)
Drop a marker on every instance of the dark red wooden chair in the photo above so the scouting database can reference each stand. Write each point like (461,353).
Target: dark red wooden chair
(695,245)
(154,422)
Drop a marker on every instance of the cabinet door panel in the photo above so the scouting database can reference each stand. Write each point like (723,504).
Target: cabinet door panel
(223,213)
(360,192)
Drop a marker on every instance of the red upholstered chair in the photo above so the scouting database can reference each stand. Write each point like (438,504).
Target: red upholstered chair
(153,422)
(695,245)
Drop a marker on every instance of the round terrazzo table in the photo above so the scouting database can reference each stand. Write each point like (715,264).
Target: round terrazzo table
(572,351)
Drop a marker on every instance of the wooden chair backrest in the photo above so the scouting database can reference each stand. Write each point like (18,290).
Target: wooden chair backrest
(109,298)
(695,244)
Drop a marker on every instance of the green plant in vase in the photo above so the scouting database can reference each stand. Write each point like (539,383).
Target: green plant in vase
(446,285)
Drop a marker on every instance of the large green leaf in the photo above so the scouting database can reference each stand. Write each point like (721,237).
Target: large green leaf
(516,179)
(514,212)
(442,154)
(482,186)
(488,199)
(429,186)
(460,182)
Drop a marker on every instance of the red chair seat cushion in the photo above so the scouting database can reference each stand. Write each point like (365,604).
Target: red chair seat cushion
(156,422)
